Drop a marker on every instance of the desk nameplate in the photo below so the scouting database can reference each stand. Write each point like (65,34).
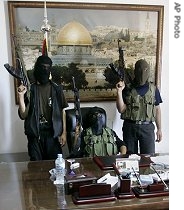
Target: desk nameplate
(93,193)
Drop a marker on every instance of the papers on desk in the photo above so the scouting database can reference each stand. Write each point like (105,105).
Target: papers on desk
(164,175)
(161,160)
(146,179)
(134,156)
(161,165)
(108,179)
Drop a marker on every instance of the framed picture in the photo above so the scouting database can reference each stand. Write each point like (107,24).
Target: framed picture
(126,164)
(85,40)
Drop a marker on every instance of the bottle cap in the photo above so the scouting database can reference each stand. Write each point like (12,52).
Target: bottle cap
(60,155)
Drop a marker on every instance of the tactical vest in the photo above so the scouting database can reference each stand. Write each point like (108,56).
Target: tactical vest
(140,107)
(101,145)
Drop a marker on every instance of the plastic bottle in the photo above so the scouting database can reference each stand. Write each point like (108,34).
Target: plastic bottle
(61,196)
(60,169)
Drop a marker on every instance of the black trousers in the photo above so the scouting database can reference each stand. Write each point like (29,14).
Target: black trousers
(139,137)
(44,148)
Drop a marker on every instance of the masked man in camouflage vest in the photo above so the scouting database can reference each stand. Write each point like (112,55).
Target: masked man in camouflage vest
(100,140)
(139,105)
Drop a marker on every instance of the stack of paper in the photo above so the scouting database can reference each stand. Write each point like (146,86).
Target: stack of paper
(108,179)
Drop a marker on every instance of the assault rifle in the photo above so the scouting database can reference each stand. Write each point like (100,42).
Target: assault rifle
(78,128)
(120,70)
(19,72)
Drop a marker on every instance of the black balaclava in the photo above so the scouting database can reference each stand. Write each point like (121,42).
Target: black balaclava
(96,121)
(141,72)
(42,69)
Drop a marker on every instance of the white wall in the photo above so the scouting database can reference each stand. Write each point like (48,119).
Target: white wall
(12,138)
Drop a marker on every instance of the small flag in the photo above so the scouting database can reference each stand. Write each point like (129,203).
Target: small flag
(44,48)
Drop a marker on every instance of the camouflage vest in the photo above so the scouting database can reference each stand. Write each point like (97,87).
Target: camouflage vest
(140,107)
(101,145)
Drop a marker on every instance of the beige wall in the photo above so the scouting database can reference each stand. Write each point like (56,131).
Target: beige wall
(12,138)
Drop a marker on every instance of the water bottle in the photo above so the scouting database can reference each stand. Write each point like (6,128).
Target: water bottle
(61,196)
(60,169)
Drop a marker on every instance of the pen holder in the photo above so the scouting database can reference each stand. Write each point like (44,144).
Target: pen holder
(125,186)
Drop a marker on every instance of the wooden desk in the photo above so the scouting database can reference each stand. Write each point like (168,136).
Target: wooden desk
(27,184)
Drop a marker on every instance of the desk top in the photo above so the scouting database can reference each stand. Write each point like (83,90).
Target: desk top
(24,185)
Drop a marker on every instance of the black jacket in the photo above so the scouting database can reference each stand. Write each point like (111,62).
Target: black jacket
(31,124)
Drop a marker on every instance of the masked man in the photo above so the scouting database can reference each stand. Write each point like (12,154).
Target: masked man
(43,115)
(98,139)
(139,105)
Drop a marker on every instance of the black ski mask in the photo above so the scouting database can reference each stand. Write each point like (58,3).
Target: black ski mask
(96,121)
(141,72)
(42,69)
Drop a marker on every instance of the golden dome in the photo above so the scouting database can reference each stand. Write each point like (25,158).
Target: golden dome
(74,33)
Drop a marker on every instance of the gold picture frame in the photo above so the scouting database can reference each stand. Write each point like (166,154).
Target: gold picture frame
(139,27)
